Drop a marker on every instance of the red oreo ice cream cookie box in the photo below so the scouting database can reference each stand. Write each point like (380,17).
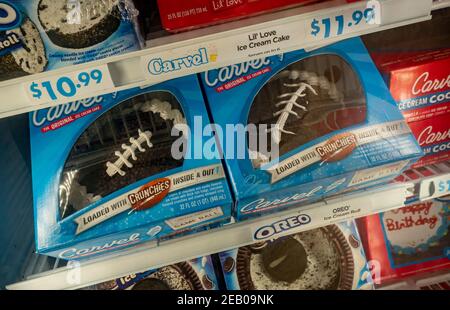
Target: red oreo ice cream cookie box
(420,84)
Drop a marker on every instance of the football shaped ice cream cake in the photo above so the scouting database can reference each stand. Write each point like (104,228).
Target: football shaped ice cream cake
(130,142)
(308,99)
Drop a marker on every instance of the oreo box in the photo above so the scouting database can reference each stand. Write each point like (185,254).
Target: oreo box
(330,257)
(301,126)
(410,241)
(41,35)
(120,169)
(195,274)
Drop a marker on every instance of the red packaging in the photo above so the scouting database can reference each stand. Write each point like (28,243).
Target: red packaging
(420,84)
(433,135)
(179,15)
(410,241)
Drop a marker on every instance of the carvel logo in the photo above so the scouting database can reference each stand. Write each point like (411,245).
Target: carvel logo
(424,84)
(214,77)
(429,136)
(40,117)
(281,226)
(159,66)
(150,194)
(263,204)
(74,252)
(10,16)
(431,131)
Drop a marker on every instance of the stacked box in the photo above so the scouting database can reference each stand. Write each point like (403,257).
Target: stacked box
(308,125)
(41,35)
(119,169)
(420,84)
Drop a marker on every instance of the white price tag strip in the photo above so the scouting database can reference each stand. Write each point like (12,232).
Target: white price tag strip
(434,187)
(64,88)
(211,54)
(332,211)
(337,24)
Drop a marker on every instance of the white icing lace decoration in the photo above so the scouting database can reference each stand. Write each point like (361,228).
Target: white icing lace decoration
(317,81)
(129,151)
(308,80)
(164,109)
(289,104)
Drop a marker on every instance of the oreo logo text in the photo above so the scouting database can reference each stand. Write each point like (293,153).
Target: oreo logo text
(281,226)
(10,16)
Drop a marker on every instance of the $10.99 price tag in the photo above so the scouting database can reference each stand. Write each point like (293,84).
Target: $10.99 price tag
(341,23)
(70,87)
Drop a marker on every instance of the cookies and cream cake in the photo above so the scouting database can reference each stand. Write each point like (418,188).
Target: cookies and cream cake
(313,260)
(79,24)
(28,56)
(42,35)
(326,258)
(321,264)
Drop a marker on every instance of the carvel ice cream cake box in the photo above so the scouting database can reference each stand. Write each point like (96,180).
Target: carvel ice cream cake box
(119,169)
(316,124)
(41,35)
(330,257)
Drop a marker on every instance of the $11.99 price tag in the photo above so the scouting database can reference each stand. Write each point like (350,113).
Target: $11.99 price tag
(435,187)
(69,87)
(341,23)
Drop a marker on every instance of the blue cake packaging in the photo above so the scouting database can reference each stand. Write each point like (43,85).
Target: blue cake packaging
(41,35)
(194,274)
(315,124)
(330,257)
(118,169)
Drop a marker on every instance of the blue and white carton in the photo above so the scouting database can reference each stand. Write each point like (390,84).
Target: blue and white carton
(315,124)
(42,35)
(117,170)
(194,274)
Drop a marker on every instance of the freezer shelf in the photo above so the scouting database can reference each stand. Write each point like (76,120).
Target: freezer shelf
(220,46)
(77,275)
(43,272)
